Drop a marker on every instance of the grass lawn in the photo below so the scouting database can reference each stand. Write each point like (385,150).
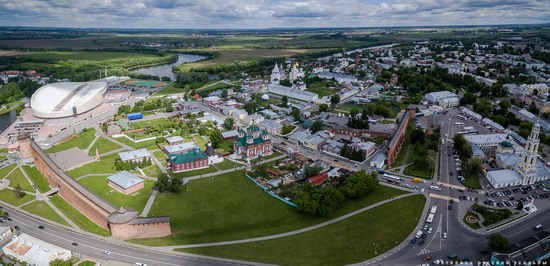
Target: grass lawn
(170,89)
(103,145)
(82,141)
(17,177)
(148,123)
(227,164)
(148,144)
(230,206)
(321,89)
(273,155)
(104,166)
(152,171)
(349,241)
(37,178)
(208,170)
(161,156)
(42,209)
(6,170)
(7,195)
(472,181)
(399,160)
(77,217)
(472,225)
(136,200)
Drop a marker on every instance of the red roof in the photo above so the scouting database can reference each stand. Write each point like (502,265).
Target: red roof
(318,179)
(197,96)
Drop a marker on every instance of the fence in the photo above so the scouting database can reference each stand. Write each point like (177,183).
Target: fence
(271,192)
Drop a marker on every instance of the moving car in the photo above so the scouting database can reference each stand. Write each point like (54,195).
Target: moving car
(75,244)
(427,258)
(444,235)
(538,227)
(40,227)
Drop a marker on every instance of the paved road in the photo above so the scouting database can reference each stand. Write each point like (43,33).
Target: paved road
(89,246)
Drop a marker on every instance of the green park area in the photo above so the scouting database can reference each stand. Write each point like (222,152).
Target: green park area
(207,170)
(82,141)
(77,217)
(42,209)
(321,89)
(147,144)
(418,169)
(472,180)
(6,170)
(227,164)
(37,178)
(352,240)
(230,206)
(103,145)
(471,219)
(136,200)
(8,195)
(106,165)
(161,156)
(16,177)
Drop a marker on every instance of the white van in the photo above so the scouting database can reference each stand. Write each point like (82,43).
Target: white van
(436,188)
(418,234)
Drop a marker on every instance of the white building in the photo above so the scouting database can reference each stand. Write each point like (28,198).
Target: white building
(486,141)
(295,73)
(33,251)
(135,155)
(445,99)
(340,78)
(378,161)
(293,93)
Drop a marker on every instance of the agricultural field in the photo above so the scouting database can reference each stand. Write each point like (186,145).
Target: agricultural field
(89,56)
(336,244)
(230,206)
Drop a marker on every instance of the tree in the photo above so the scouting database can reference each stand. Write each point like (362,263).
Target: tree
(520,205)
(323,107)
(287,129)
(284,101)
(228,123)
(533,108)
(311,171)
(498,242)
(216,138)
(317,126)
(334,99)
(296,114)
(19,193)
(166,183)
(359,184)
(418,136)
(285,82)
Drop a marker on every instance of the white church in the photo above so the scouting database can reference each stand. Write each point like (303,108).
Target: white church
(528,169)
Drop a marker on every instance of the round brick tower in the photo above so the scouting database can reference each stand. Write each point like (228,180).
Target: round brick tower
(25,150)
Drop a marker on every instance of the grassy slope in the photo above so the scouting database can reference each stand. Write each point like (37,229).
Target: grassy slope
(230,207)
(42,209)
(348,241)
(37,178)
(77,217)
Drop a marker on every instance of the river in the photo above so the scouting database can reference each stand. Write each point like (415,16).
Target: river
(166,69)
(6,120)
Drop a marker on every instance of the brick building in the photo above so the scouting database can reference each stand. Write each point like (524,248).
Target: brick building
(186,161)
(399,135)
(125,182)
(252,142)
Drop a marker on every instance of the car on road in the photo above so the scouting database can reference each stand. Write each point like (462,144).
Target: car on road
(40,227)
(430,230)
(140,264)
(427,258)
(75,244)
(106,252)
(538,227)
(421,242)
(423,236)
(450,208)
(16,227)
(444,235)
(413,241)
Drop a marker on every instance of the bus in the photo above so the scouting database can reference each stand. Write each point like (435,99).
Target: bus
(459,124)
(391,177)
(430,218)
(433,210)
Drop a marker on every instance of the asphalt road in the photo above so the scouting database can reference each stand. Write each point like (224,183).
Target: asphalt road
(89,246)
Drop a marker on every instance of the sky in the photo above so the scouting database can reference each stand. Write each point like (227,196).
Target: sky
(249,14)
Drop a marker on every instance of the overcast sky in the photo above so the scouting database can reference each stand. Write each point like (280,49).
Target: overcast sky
(204,14)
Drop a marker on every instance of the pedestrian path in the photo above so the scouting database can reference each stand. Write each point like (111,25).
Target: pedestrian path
(295,232)
(97,136)
(149,203)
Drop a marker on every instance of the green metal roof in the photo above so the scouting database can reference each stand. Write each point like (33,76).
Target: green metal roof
(187,157)
(242,141)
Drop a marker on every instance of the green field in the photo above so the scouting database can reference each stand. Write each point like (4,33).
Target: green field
(7,195)
(230,206)
(6,170)
(227,164)
(90,56)
(103,145)
(136,200)
(350,241)
(148,144)
(37,178)
(82,141)
(208,170)
(104,166)
(170,89)
(230,55)
(42,209)
(77,217)
(418,170)
(17,177)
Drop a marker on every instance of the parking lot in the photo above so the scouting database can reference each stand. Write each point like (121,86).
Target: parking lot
(511,197)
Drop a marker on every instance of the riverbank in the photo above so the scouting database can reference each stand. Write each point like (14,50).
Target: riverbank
(166,70)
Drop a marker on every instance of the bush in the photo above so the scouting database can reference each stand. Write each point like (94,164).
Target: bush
(491,216)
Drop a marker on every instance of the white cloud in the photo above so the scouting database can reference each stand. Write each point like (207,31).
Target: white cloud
(269,13)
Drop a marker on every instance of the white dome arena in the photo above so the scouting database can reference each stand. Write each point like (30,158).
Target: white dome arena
(67,98)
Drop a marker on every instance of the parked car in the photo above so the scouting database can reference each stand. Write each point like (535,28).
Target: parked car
(40,227)
(444,235)
(450,208)
(538,227)
(427,258)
